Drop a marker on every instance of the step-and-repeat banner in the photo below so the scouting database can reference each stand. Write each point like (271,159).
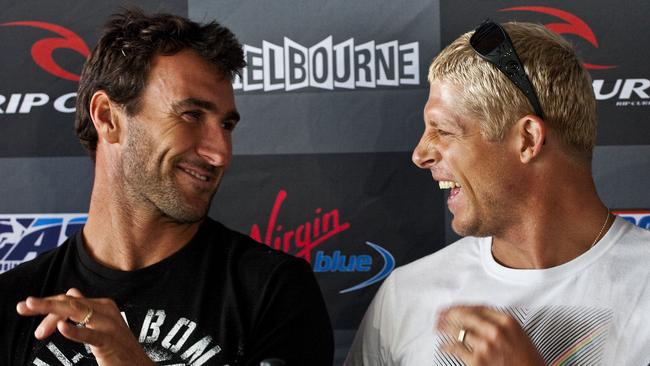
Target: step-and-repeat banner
(331,105)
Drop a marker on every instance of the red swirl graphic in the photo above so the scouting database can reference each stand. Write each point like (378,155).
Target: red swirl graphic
(42,50)
(574,25)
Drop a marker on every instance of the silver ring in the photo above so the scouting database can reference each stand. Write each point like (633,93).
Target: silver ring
(461,335)
(86,319)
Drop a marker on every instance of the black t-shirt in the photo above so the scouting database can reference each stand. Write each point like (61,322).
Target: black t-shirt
(223,299)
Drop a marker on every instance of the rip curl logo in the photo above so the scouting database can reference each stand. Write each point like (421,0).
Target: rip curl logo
(572,25)
(43,49)
(165,339)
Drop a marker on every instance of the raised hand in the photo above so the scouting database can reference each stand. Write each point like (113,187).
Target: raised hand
(485,336)
(96,322)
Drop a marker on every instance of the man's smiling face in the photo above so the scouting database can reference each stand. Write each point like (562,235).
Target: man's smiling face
(476,171)
(179,143)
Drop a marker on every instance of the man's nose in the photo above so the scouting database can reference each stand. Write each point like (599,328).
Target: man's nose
(425,154)
(215,144)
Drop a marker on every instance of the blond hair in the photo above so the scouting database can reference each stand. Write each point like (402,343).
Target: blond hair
(562,85)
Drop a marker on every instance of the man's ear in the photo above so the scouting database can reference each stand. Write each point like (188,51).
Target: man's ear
(531,131)
(104,113)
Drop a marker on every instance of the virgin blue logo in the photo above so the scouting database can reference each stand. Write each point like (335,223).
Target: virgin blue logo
(339,262)
(302,241)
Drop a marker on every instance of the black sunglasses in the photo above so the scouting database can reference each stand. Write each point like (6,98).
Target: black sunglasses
(492,43)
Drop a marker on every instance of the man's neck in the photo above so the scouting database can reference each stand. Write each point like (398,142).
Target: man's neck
(124,235)
(563,224)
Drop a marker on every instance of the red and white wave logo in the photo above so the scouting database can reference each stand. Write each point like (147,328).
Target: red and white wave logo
(572,25)
(42,52)
(43,49)
(627,92)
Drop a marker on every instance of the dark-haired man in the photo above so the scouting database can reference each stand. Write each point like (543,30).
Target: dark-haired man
(545,275)
(150,278)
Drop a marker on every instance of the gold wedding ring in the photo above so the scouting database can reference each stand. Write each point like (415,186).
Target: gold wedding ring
(86,319)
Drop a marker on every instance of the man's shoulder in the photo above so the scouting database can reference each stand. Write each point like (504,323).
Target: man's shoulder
(628,242)
(257,267)
(636,234)
(245,251)
(631,248)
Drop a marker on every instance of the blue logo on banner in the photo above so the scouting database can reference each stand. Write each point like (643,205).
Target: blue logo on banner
(24,237)
(338,262)
(639,218)
(643,221)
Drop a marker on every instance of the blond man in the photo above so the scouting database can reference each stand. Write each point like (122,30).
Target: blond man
(544,274)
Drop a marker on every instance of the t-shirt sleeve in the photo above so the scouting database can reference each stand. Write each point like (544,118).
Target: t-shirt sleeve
(369,345)
(293,324)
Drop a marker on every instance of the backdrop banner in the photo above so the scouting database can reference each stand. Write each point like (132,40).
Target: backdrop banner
(331,104)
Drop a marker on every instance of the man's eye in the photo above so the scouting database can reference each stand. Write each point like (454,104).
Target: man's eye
(228,125)
(442,132)
(193,115)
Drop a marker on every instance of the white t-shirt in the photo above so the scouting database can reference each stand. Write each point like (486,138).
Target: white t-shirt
(592,310)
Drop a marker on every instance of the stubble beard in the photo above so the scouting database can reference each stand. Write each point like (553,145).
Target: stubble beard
(470,227)
(481,222)
(145,183)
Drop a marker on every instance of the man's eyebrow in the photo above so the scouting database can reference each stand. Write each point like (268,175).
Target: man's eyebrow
(203,104)
(452,124)
(193,102)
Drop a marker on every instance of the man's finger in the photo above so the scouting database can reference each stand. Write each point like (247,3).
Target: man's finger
(65,307)
(23,309)
(452,320)
(47,326)
(487,330)
(74,293)
(79,334)
(458,350)
(456,333)
(480,321)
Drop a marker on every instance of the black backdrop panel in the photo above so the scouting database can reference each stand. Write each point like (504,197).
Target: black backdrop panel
(44,46)
(612,39)
(353,200)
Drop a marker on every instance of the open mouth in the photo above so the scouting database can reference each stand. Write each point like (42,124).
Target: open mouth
(447,184)
(453,186)
(196,174)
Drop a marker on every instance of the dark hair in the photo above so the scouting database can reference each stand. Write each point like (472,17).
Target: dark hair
(121,60)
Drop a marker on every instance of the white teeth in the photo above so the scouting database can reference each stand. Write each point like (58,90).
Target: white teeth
(447,184)
(195,174)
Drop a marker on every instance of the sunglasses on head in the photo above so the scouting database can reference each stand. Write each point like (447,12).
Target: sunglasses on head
(491,42)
